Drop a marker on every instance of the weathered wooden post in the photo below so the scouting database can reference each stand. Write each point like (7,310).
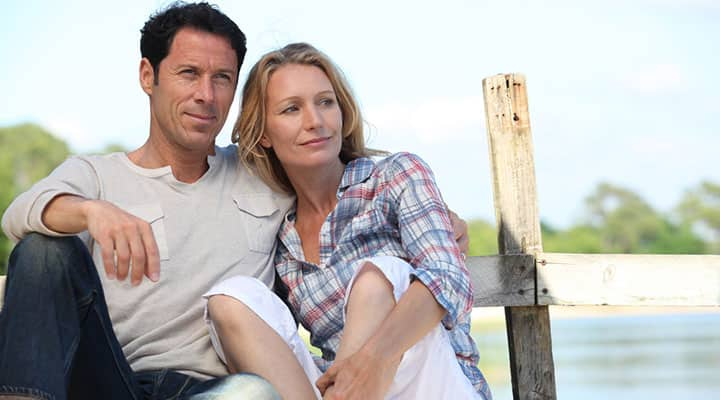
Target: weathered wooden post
(516,212)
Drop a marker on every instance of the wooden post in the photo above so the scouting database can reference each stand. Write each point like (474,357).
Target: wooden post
(516,211)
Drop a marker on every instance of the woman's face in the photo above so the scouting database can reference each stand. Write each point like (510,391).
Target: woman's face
(304,121)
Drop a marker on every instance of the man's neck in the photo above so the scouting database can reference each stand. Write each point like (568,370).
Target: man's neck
(187,166)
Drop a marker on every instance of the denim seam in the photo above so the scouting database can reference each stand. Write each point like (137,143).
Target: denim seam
(157,381)
(85,301)
(108,339)
(30,393)
(182,389)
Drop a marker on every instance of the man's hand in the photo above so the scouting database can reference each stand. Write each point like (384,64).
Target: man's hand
(461,232)
(359,377)
(125,240)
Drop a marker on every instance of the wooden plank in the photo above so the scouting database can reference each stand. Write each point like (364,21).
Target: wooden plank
(502,280)
(513,169)
(628,279)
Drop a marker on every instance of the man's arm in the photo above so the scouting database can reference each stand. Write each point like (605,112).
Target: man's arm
(460,228)
(65,203)
(125,240)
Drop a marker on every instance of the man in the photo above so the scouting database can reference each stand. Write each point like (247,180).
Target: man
(175,216)
(167,211)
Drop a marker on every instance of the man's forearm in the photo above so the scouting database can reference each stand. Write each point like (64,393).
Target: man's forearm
(66,214)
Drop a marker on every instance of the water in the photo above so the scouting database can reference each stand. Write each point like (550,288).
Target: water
(624,357)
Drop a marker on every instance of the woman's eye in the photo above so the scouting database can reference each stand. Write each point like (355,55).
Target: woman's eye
(289,109)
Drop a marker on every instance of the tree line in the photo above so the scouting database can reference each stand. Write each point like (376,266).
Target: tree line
(615,219)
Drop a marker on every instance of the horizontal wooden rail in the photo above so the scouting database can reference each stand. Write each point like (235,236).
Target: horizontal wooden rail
(628,279)
(507,280)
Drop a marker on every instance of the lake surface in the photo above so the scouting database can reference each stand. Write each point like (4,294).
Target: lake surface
(623,357)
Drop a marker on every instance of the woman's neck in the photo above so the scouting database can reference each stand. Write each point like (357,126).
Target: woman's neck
(316,189)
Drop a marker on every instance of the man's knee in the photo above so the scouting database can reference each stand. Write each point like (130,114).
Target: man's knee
(36,248)
(239,386)
(40,258)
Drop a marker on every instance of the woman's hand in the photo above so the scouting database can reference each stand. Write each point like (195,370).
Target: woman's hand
(360,376)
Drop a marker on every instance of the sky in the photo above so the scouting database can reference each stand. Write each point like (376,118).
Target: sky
(626,92)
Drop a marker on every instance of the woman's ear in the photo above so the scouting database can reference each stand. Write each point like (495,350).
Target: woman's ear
(265,142)
(147,76)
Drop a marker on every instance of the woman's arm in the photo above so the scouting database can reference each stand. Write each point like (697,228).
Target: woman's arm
(427,236)
(441,290)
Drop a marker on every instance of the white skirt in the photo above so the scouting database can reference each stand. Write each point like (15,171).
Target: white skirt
(428,370)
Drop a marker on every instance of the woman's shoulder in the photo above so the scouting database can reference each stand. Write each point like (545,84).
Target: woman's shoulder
(402,162)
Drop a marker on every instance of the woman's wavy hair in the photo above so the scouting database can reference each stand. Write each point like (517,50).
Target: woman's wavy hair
(250,125)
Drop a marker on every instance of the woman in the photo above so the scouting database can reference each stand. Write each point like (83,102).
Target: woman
(368,255)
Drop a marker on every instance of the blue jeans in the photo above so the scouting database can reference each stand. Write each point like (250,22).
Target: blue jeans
(57,341)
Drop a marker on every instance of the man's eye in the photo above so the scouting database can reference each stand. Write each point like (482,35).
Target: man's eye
(188,72)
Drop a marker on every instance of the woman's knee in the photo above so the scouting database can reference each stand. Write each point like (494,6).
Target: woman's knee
(371,285)
(227,312)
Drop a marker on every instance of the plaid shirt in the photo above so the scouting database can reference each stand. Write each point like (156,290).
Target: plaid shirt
(393,208)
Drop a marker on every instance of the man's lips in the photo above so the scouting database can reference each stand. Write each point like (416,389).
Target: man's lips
(201,117)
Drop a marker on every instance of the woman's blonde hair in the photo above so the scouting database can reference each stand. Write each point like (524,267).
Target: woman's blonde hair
(250,125)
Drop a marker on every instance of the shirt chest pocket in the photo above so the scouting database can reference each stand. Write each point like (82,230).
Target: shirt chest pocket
(153,214)
(259,220)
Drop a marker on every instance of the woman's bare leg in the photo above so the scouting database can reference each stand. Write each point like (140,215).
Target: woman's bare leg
(371,300)
(251,345)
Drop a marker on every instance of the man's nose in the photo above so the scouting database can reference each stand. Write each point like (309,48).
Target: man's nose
(205,91)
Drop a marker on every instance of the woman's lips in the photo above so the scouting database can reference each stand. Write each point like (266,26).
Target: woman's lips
(315,141)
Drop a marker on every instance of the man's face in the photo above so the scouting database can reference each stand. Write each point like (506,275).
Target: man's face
(195,88)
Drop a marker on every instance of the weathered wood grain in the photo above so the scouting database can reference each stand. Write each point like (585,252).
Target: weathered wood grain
(628,279)
(502,280)
(516,211)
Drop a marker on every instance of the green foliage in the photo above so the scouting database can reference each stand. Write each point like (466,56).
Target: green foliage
(619,221)
(483,238)
(700,211)
(577,239)
(27,154)
(113,148)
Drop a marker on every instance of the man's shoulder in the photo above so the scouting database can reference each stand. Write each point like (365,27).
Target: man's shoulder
(93,162)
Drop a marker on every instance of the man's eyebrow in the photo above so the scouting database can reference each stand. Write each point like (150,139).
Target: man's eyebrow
(227,70)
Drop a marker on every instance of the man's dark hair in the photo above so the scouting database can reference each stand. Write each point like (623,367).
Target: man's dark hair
(159,31)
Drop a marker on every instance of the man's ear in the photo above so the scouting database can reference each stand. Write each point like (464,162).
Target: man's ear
(147,76)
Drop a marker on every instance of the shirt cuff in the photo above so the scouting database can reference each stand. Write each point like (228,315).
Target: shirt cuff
(445,294)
